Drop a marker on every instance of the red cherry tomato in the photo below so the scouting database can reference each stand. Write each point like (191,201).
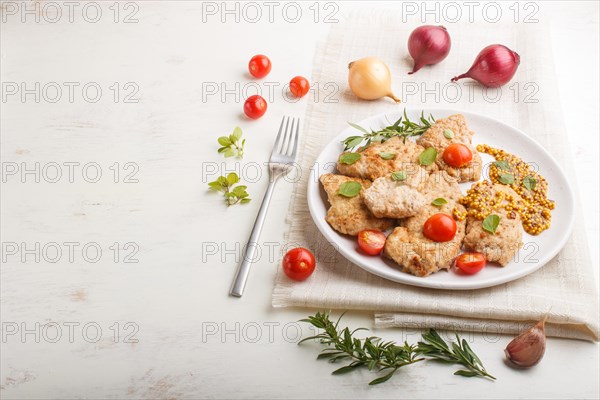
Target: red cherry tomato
(457,155)
(255,107)
(259,66)
(299,86)
(440,227)
(371,241)
(298,263)
(471,263)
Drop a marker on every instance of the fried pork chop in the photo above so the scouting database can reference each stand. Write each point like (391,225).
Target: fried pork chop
(390,197)
(460,133)
(502,245)
(350,215)
(416,253)
(372,165)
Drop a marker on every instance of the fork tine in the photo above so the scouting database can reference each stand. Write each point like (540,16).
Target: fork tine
(279,136)
(295,142)
(286,137)
(290,139)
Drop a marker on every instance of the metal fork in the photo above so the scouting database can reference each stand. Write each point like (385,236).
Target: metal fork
(282,157)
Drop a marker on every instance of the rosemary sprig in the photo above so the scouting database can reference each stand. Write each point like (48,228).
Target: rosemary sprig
(403,127)
(371,352)
(375,354)
(436,348)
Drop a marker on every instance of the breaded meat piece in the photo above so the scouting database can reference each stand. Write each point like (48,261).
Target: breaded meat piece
(393,197)
(434,137)
(502,245)
(372,165)
(350,215)
(441,184)
(414,252)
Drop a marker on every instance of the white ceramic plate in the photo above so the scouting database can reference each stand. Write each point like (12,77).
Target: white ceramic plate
(536,252)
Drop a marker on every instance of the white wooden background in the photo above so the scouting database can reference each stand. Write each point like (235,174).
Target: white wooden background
(164,327)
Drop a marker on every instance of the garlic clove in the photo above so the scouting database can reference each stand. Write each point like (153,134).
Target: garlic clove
(527,349)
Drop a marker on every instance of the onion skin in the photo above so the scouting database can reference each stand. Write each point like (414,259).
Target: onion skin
(494,66)
(428,45)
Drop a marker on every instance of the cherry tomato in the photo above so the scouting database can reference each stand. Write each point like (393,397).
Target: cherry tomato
(259,66)
(371,241)
(440,227)
(298,263)
(299,86)
(457,155)
(255,107)
(471,263)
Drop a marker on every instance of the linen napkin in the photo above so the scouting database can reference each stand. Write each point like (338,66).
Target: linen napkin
(563,289)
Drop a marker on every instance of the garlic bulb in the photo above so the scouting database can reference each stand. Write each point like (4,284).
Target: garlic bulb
(527,349)
(370,79)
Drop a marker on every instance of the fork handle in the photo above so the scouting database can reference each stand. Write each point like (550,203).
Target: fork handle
(239,282)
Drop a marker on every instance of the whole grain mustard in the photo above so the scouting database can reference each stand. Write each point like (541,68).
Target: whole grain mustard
(531,204)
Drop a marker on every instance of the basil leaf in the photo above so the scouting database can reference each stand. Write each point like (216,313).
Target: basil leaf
(216,185)
(440,201)
(349,158)
(349,189)
(448,134)
(224,141)
(240,191)
(229,153)
(530,182)
(399,176)
(507,179)
(428,156)
(236,135)
(232,178)
(502,165)
(490,223)
(387,156)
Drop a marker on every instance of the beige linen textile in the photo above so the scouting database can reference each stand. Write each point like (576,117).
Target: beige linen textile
(564,288)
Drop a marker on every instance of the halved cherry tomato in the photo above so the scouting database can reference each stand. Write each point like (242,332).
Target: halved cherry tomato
(371,241)
(440,227)
(255,107)
(457,155)
(259,66)
(298,264)
(471,263)
(299,86)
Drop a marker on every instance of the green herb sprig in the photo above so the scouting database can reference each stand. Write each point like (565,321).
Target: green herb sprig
(371,352)
(459,352)
(231,145)
(233,195)
(403,127)
(387,357)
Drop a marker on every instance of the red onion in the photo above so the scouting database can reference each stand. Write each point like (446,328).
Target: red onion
(428,45)
(494,66)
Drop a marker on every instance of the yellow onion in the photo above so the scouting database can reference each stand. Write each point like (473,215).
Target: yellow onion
(370,79)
